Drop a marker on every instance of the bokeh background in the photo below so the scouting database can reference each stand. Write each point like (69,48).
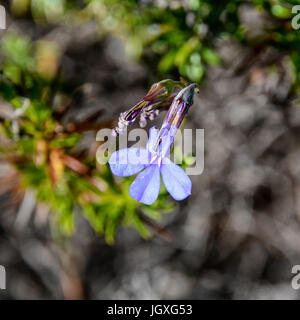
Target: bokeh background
(69,230)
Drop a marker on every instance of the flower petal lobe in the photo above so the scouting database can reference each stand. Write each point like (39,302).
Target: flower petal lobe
(130,161)
(145,188)
(176,181)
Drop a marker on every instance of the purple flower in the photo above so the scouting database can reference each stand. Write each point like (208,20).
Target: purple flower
(159,97)
(153,161)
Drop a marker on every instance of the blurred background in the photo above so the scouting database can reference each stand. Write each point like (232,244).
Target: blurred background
(68,228)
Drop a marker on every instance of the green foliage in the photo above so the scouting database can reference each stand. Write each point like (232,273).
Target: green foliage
(177,37)
(42,152)
(180,37)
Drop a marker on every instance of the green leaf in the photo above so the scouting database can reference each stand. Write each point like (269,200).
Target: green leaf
(210,56)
